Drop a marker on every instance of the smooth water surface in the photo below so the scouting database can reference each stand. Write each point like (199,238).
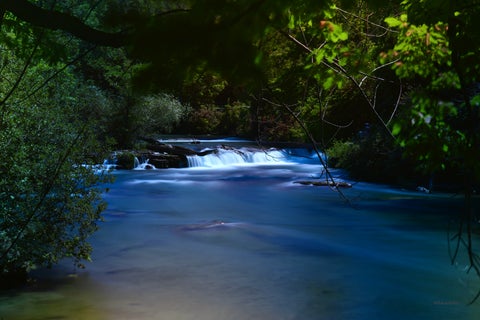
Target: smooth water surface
(246,242)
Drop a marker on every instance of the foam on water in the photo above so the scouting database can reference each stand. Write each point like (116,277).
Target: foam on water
(230,157)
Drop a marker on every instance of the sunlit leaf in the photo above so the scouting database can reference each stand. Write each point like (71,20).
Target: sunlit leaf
(396,129)
(392,22)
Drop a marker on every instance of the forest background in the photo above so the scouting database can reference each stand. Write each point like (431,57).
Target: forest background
(388,90)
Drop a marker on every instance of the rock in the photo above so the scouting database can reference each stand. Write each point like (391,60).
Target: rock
(157,146)
(124,159)
(165,160)
(158,162)
(423,189)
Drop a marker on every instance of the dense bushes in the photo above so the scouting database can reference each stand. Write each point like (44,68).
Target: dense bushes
(373,158)
(50,200)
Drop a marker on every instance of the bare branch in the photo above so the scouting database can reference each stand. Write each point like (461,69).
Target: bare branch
(369,75)
(397,104)
(365,96)
(329,177)
(367,21)
(296,41)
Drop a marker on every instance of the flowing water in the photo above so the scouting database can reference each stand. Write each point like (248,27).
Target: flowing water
(241,240)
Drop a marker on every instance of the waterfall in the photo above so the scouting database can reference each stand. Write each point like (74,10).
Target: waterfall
(227,157)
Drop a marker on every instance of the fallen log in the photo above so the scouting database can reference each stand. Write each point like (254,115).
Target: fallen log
(325,183)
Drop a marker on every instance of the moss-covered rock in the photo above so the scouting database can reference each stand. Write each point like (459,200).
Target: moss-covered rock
(125,160)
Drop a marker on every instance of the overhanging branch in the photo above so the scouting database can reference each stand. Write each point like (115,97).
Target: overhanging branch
(55,20)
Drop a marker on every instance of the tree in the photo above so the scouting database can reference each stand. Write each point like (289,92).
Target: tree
(55,20)
(50,197)
(437,48)
(207,35)
(329,74)
(50,201)
(160,113)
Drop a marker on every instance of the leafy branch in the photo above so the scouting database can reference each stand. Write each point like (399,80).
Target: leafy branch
(338,68)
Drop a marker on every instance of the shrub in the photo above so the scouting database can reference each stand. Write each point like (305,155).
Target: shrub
(372,158)
(342,153)
(50,199)
(160,113)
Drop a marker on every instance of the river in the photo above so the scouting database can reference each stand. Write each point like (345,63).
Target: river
(244,241)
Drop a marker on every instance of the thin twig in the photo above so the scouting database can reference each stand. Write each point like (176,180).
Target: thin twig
(328,174)
(366,76)
(366,20)
(397,104)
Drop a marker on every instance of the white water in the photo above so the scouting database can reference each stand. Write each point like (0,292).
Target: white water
(227,153)
(242,156)
(230,152)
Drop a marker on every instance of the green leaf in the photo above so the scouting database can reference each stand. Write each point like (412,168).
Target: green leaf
(319,55)
(328,83)
(475,101)
(396,129)
(343,36)
(340,84)
(291,22)
(392,22)
(258,58)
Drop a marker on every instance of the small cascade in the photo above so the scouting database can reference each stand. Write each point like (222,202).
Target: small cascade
(228,157)
(136,162)
(143,165)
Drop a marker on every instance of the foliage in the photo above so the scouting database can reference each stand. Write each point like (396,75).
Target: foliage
(442,125)
(236,120)
(208,37)
(342,154)
(126,113)
(160,113)
(372,158)
(216,106)
(125,160)
(204,119)
(50,200)
(323,66)
(422,52)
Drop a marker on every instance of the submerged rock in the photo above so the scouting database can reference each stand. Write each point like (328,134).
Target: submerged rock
(215,224)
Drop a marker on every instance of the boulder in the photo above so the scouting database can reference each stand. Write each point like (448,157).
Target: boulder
(124,159)
(164,160)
